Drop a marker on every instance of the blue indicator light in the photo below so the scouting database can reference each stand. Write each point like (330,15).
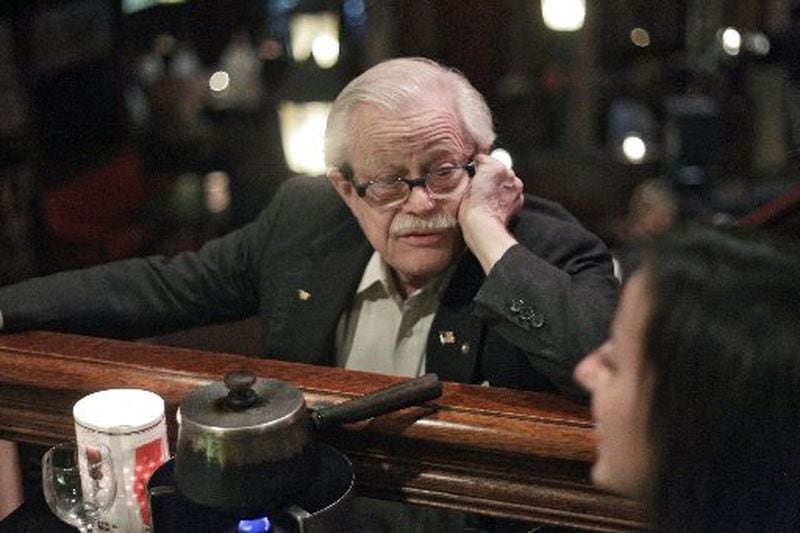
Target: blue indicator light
(257,525)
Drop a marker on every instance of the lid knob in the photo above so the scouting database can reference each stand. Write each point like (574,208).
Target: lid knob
(240,393)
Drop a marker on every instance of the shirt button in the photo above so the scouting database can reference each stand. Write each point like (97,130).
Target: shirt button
(465,348)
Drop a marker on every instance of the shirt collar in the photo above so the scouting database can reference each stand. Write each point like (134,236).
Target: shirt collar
(377,271)
(372,274)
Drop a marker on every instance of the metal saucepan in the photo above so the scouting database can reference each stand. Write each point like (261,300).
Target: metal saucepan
(246,446)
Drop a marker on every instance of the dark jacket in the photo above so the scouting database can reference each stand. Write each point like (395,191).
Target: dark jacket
(543,306)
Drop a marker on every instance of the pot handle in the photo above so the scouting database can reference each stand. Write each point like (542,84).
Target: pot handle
(396,397)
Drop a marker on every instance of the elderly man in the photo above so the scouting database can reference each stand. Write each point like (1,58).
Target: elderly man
(420,253)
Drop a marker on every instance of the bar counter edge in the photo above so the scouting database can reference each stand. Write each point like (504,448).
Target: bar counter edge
(493,451)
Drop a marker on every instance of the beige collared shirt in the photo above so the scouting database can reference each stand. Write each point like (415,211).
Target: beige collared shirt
(383,333)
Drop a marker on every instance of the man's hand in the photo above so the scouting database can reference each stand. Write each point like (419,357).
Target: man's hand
(493,197)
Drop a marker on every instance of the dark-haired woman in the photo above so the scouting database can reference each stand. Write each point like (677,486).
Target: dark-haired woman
(696,395)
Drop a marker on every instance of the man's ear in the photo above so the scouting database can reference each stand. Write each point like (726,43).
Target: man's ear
(342,185)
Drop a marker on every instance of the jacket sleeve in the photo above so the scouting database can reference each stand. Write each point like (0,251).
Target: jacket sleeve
(146,296)
(551,296)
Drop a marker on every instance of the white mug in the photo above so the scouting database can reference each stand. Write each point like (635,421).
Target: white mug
(131,423)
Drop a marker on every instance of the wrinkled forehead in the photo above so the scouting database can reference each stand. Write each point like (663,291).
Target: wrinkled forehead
(419,128)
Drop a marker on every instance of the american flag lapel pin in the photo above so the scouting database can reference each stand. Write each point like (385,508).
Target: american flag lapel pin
(447,337)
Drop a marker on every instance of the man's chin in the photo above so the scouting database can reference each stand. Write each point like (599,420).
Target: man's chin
(423,262)
(423,266)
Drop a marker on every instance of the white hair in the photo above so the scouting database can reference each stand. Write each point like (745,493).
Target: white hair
(390,84)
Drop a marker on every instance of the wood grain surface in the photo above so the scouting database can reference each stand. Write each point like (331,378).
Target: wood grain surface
(498,452)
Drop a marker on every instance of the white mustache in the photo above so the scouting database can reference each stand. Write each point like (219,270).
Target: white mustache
(404,223)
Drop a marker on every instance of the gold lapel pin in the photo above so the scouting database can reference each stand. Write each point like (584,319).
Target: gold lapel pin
(303,295)
(447,337)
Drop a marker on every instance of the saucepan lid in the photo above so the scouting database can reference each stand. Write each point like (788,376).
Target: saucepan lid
(243,403)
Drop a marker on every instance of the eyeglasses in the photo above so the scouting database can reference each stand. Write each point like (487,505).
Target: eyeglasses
(442,182)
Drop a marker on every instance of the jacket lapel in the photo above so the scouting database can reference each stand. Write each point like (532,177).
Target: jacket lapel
(456,336)
(320,289)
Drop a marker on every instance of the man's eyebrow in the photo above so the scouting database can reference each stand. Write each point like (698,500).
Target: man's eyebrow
(378,166)
(442,149)
(442,146)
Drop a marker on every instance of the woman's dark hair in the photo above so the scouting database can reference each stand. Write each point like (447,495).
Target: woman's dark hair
(723,345)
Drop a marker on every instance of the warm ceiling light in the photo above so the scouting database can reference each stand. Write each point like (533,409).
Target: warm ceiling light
(219,81)
(634,148)
(317,35)
(303,135)
(564,15)
(731,41)
(640,37)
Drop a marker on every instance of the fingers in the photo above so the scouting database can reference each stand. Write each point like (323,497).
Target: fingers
(495,191)
(501,175)
(494,196)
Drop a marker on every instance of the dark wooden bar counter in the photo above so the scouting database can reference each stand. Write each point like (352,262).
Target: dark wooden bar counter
(512,454)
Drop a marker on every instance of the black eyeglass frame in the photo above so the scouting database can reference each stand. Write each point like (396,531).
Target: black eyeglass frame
(361,189)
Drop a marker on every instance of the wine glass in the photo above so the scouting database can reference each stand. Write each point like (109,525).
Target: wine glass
(79,482)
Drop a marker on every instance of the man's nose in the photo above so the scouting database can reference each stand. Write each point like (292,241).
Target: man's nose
(419,200)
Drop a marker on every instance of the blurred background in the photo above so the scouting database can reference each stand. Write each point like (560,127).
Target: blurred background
(132,127)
